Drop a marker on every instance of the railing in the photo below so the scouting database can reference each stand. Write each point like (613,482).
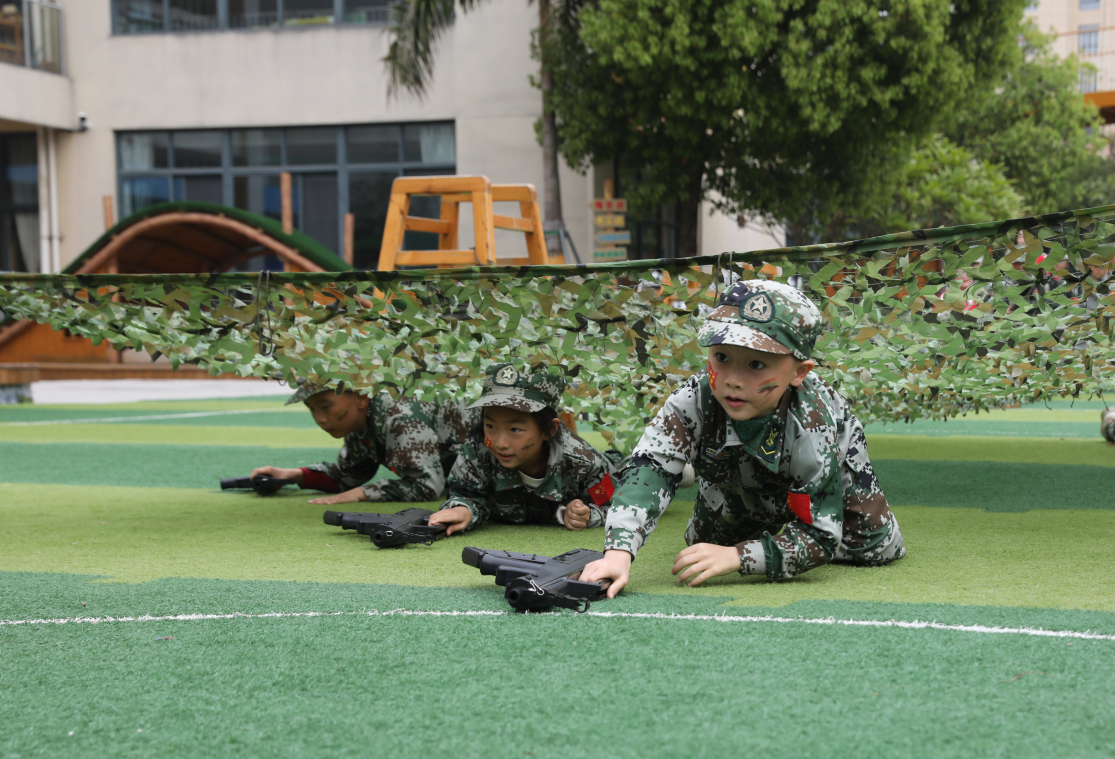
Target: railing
(32,35)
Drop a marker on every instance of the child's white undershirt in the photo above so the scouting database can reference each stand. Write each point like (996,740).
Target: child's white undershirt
(530,482)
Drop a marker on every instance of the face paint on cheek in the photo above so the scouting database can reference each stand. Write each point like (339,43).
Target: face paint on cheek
(711,376)
(487,442)
(767,386)
(528,445)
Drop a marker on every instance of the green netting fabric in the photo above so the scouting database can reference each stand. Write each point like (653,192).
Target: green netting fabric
(930,323)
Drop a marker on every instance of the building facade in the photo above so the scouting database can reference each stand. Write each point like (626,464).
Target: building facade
(1086,29)
(143,101)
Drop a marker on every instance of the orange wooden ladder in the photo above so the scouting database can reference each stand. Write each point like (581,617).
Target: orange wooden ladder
(454,190)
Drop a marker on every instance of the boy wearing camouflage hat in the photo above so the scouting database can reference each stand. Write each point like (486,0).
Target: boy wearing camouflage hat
(520,465)
(417,440)
(784,481)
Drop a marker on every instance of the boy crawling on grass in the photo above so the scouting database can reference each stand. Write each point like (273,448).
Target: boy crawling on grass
(417,440)
(784,481)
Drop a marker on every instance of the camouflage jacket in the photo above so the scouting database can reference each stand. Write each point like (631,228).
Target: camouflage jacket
(574,470)
(417,440)
(798,449)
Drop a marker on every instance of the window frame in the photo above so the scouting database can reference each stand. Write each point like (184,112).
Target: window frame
(8,209)
(223,20)
(1091,34)
(229,173)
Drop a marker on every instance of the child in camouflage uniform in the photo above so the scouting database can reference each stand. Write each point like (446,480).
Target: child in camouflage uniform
(784,481)
(417,440)
(521,465)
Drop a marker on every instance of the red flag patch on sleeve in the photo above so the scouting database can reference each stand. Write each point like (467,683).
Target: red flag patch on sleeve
(799,504)
(602,491)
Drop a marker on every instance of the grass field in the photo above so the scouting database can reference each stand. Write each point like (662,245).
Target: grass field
(146,613)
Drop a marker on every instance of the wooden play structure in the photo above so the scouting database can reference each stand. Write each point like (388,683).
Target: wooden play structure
(453,191)
(170,238)
(203,238)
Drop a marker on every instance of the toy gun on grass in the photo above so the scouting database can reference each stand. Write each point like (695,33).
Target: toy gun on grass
(539,583)
(389,530)
(264,484)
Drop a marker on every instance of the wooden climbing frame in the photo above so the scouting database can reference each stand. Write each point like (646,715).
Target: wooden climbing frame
(454,190)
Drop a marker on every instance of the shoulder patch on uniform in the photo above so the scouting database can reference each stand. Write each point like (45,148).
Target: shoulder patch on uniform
(757,308)
(602,492)
(799,504)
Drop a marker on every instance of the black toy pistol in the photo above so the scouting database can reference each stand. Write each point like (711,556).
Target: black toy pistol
(539,583)
(389,530)
(264,484)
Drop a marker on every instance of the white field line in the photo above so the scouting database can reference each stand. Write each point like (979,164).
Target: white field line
(107,419)
(895,623)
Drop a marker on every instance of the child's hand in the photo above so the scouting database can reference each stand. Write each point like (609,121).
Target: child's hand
(576,515)
(705,560)
(615,566)
(279,474)
(455,519)
(349,496)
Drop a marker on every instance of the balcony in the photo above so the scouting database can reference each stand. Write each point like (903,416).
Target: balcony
(31,34)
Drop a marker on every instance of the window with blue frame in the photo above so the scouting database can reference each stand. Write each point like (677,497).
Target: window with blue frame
(148,16)
(334,170)
(1089,5)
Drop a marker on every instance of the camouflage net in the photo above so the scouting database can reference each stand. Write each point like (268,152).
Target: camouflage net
(932,323)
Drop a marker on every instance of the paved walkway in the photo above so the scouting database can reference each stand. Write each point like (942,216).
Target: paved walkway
(123,391)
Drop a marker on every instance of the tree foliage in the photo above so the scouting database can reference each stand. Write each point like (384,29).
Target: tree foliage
(768,106)
(1039,128)
(940,185)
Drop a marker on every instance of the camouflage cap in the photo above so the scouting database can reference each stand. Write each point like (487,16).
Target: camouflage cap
(508,387)
(307,390)
(766,316)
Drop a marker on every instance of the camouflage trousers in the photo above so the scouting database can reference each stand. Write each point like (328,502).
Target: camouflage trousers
(870,536)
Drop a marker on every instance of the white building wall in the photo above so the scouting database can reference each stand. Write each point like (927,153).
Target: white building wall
(293,77)
(723,234)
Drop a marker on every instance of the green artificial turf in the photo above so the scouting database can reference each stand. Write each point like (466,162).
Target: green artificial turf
(993,486)
(541,686)
(171,466)
(963,556)
(174,434)
(996,486)
(1008,524)
(1090,429)
(1037,451)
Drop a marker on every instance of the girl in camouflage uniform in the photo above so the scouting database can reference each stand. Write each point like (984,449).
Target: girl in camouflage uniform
(784,480)
(521,465)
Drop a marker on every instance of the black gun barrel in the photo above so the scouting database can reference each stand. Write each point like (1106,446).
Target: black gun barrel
(351,520)
(410,525)
(264,484)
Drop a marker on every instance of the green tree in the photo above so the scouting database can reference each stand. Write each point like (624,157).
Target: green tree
(768,107)
(940,185)
(416,27)
(1045,135)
